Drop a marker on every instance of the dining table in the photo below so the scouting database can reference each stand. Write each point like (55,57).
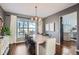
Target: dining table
(39,39)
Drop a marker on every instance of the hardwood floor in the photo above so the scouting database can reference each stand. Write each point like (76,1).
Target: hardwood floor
(68,48)
(18,49)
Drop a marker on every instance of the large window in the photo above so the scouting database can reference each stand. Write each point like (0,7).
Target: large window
(21,28)
(25,26)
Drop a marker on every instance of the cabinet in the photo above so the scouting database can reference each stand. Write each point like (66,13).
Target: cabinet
(4,45)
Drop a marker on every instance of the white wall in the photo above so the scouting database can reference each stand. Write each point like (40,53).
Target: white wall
(13,19)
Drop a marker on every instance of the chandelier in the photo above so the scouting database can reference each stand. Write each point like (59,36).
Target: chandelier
(35,17)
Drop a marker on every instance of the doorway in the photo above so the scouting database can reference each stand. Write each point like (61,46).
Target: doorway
(68,33)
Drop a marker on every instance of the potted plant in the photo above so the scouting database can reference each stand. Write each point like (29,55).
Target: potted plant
(5,31)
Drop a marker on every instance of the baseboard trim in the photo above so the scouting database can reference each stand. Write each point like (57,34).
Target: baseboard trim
(18,42)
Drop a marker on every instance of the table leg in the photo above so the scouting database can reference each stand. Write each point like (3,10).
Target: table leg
(37,49)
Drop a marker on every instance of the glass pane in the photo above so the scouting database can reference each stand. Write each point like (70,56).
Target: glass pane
(32,27)
(21,28)
(21,24)
(25,30)
(25,25)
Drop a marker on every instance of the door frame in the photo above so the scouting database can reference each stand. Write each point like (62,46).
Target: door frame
(61,31)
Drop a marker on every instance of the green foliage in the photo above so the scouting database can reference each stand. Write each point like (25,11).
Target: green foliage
(6,30)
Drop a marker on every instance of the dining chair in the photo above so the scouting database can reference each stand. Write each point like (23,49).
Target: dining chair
(50,46)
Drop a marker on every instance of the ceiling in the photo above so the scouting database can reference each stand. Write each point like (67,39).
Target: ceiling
(43,9)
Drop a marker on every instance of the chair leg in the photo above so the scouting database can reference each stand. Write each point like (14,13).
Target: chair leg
(32,50)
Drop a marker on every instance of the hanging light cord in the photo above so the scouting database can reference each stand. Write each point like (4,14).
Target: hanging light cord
(35,10)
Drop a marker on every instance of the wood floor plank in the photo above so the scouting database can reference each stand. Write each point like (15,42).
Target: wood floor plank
(68,48)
